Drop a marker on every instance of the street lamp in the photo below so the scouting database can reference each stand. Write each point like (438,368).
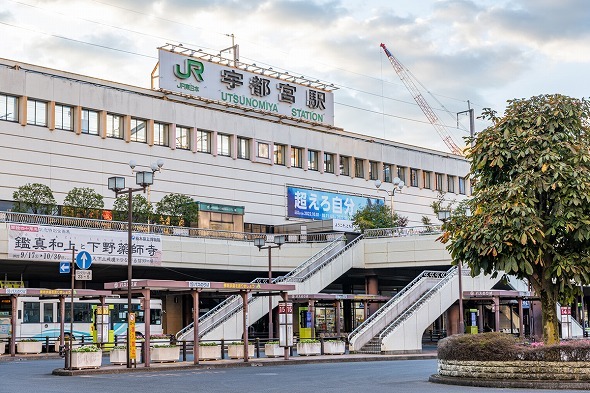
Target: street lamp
(398,184)
(155,167)
(278,241)
(117,184)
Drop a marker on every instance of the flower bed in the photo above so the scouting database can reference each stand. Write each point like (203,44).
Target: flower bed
(334,347)
(29,346)
(89,356)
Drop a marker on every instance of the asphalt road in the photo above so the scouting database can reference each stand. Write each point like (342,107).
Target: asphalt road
(34,376)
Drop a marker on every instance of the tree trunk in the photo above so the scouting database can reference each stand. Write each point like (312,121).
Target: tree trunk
(548,297)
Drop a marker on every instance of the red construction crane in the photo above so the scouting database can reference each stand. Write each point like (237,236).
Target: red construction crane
(422,103)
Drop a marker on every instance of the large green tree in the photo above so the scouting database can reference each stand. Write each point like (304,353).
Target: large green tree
(177,209)
(374,216)
(34,198)
(83,202)
(141,208)
(531,200)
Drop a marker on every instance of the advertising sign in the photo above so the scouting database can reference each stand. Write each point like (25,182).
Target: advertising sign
(48,243)
(324,205)
(200,78)
(132,344)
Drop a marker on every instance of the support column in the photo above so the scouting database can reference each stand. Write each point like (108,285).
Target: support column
(146,320)
(372,284)
(13,327)
(285,297)
(62,319)
(480,319)
(245,324)
(337,322)
(496,314)
(311,308)
(520,319)
(347,310)
(196,348)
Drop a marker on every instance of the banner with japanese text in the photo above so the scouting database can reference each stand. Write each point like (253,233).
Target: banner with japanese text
(324,205)
(49,243)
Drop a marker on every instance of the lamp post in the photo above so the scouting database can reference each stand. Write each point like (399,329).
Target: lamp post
(155,167)
(117,184)
(278,242)
(398,184)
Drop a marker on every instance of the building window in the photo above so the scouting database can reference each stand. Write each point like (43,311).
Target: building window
(223,145)
(279,154)
(462,185)
(413,177)
(183,138)
(328,162)
(244,148)
(296,157)
(161,136)
(89,122)
(387,173)
(204,141)
(359,168)
(401,173)
(345,165)
(373,170)
(36,113)
(313,160)
(114,126)
(138,130)
(439,182)
(8,108)
(263,150)
(451,183)
(426,177)
(63,117)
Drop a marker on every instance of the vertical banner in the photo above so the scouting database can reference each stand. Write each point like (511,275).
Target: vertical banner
(132,347)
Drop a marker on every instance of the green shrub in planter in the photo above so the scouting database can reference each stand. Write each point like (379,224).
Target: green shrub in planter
(29,340)
(273,343)
(159,337)
(87,348)
(208,344)
(164,346)
(308,341)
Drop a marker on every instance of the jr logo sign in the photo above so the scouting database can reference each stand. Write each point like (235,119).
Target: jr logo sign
(191,66)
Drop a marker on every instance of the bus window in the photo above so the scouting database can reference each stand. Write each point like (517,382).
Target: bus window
(82,313)
(32,312)
(47,312)
(155,316)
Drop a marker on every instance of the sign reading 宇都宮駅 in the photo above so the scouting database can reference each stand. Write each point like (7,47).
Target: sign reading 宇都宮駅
(48,243)
(200,78)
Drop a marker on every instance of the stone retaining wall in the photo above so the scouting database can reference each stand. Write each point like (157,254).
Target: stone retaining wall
(515,370)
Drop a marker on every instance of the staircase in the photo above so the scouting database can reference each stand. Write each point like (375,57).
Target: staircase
(225,320)
(404,332)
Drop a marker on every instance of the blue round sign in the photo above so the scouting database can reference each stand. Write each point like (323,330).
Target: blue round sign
(83,260)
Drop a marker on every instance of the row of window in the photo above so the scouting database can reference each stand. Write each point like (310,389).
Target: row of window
(114,128)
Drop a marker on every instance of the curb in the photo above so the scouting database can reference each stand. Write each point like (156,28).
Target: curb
(235,364)
(504,383)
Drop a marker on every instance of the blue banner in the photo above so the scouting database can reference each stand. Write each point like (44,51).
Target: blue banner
(323,205)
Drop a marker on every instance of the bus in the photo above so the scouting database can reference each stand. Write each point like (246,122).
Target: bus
(39,318)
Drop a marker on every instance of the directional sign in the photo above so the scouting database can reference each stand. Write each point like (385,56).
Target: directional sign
(64,267)
(84,275)
(83,260)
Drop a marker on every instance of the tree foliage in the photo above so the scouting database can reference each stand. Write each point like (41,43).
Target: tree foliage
(374,216)
(34,198)
(83,202)
(177,209)
(531,201)
(141,209)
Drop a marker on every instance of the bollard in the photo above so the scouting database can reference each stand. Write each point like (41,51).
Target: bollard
(184,350)
(257,343)
(321,345)
(66,352)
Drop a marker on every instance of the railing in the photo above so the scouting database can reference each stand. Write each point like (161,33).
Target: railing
(403,231)
(236,299)
(450,274)
(395,300)
(73,222)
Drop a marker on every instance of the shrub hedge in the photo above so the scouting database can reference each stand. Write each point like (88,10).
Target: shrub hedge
(497,346)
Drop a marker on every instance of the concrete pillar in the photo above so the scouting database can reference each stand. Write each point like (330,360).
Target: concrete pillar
(372,285)
(453,320)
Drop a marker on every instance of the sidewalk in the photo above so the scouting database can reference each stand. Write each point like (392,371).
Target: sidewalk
(253,362)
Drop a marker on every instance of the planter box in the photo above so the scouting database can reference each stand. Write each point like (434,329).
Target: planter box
(118,356)
(515,370)
(308,349)
(82,360)
(334,347)
(274,350)
(209,352)
(237,351)
(164,354)
(29,347)
(2,348)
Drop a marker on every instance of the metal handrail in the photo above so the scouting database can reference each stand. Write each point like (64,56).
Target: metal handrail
(451,273)
(74,222)
(236,298)
(395,300)
(403,231)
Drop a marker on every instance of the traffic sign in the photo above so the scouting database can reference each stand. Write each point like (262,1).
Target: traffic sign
(83,260)
(84,275)
(64,267)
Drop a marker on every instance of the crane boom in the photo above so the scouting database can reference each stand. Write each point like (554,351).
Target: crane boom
(422,103)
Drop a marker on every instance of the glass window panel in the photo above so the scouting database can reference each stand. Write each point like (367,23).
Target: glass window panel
(344,165)
(451,183)
(47,312)
(263,150)
(387,173)
(359,168)
(36,113)
(414,177)
(328,163)
(114,126)
(439,182)
(8,108)
(183,138)
(279,152)
(427,182)
(161,134)
(462,185)
(312,160)
(31,312)
(373,170)
(401,173)
(296,157)
(138,130)
(223,145)
(203,141)
(89,122)
(63,117)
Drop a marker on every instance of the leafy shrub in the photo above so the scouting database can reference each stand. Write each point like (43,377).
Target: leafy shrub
(208,344)
(120,347)
(29,340)
(87,348)
(159,337)
(504,347)
(273,343)
(308,341)
(164,346)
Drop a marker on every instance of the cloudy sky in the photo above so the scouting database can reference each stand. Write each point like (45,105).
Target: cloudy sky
(485,51)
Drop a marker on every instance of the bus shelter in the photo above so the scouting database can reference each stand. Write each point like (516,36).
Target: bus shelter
(194,288)
(61,294)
